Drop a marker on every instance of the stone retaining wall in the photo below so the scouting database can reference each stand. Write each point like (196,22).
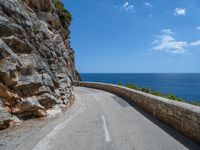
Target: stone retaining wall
(183,117)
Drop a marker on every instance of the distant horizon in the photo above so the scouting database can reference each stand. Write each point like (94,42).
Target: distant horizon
(184,86)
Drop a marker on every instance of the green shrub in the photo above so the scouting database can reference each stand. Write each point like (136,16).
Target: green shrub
(169,96)
(173,97)
(157,93)
(131,86)
(194,103)
(146,90)
(63,13)
(120,84)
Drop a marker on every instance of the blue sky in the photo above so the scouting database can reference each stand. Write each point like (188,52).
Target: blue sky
(136,36)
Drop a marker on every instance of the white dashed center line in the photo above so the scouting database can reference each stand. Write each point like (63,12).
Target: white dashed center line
(106,133)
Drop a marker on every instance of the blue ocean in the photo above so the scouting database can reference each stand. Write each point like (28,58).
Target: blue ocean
(186,86)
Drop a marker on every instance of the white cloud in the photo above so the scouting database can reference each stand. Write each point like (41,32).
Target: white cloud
(166,42)
(179,11)
(167,31)
(196,43)
(127,7)
(148,5)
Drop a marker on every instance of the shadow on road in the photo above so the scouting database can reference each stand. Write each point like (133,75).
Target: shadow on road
(172,132)
(120,101)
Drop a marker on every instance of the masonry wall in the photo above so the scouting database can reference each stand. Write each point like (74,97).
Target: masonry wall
(183,117)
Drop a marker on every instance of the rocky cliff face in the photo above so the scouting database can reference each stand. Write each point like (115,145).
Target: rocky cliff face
(36,60)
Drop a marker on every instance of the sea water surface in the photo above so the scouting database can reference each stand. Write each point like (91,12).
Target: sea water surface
(186,86)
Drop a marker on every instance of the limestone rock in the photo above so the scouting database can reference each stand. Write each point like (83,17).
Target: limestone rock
(6,119)
(15,8)
(30,105)
(36,61)
(7,28)
(18,45)
(5,51)
(40,113)
(47,100)
(32,81)
(5,93)
(45,5)
(52,19)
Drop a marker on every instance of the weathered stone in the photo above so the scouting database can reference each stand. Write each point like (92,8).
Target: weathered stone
(40,113)
(38,91)
(66,56)
(47,81)
(7,28)
(5,51)
(14,7)
(5,93)
(45,5)
(30,104)
(52,19)
(43,28)
(47,100)
(8,66)
(29,81)
(18,45)
(6,119)
(59,44)
(36,60)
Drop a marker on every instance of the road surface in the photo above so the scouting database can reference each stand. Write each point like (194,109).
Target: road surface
(98,120)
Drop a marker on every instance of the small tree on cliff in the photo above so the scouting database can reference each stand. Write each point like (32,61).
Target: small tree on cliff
(64,14)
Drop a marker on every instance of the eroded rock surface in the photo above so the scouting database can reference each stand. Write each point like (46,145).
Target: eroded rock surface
(36,60)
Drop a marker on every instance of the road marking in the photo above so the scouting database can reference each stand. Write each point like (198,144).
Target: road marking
(95,97)
(44,144)
(106,133)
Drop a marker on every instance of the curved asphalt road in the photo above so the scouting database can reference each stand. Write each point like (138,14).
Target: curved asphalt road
(102,121)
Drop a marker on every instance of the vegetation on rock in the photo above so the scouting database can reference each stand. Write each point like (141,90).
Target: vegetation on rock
(64,15)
